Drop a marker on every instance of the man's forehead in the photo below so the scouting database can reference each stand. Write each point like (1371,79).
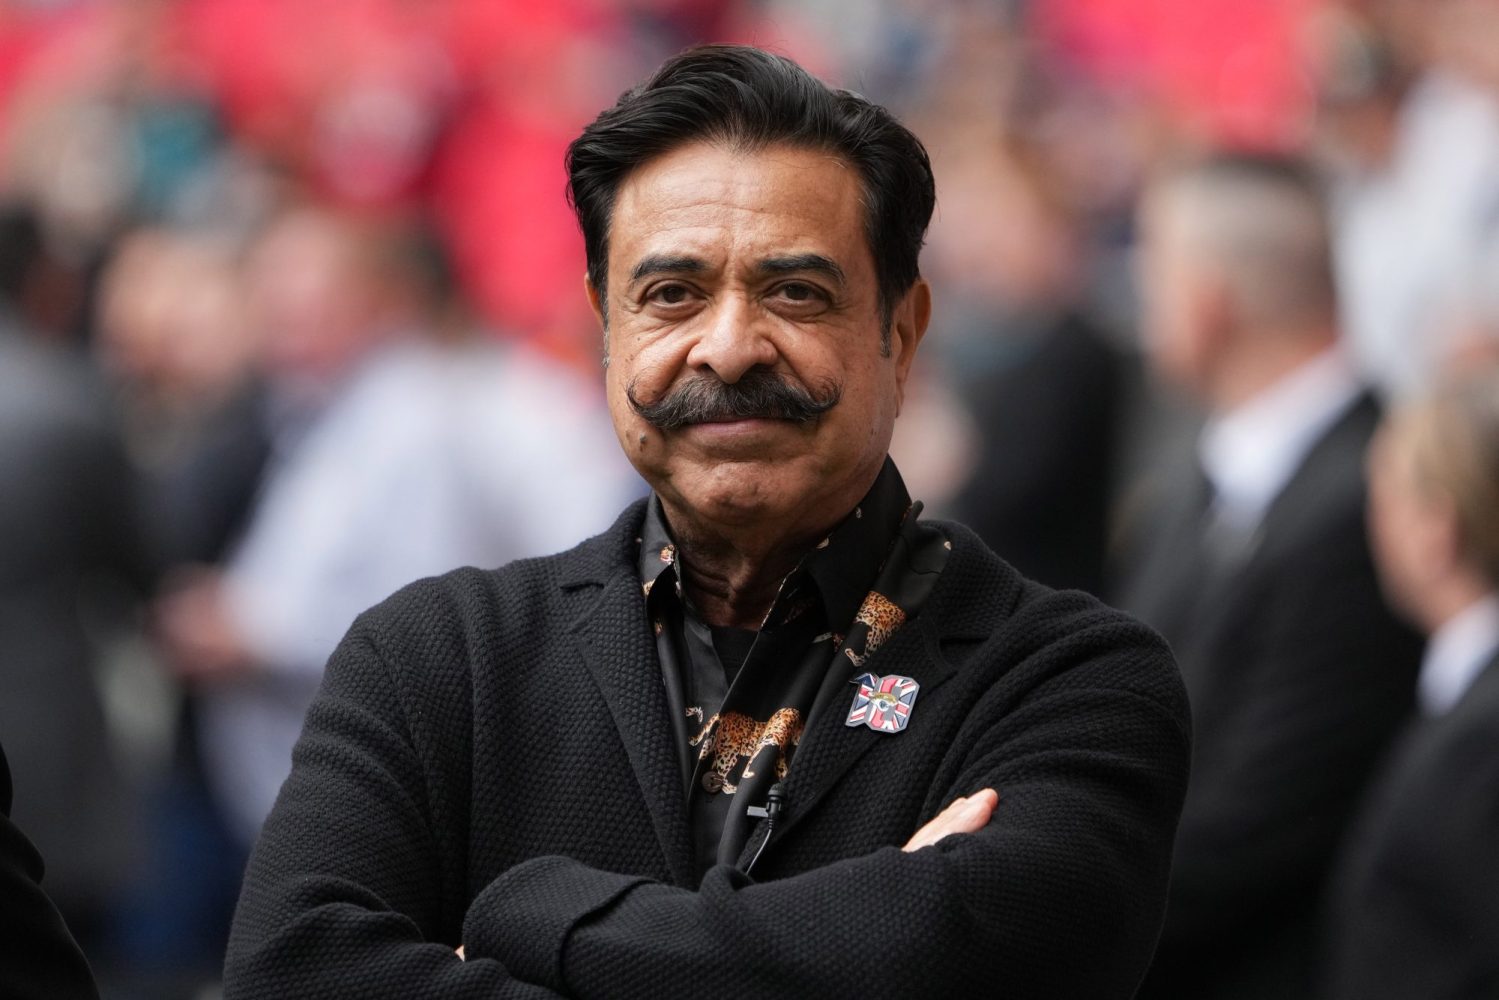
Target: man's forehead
(704,200)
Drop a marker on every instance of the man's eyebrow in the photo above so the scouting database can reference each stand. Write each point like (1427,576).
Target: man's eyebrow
(803,262)
(667,264)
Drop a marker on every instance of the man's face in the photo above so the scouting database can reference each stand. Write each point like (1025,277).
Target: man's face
(1173,288)
(1406,530)
(318,311)
(726,266)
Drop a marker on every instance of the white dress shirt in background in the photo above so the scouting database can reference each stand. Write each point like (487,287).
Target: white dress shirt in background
(1415,240)
(1456,654)
(429,457)
(1251,452)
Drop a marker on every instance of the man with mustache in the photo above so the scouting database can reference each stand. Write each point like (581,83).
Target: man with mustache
(770,724)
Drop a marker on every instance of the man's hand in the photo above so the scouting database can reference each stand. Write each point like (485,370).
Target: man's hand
(199,639)
(965,815)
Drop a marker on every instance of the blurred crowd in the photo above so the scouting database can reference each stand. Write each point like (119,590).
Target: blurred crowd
(291,314)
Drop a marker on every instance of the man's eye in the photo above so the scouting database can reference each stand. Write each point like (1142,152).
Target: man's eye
(669,295)
(798,291)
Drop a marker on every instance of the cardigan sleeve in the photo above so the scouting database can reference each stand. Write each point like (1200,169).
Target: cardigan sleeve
(1060,896)
(342,895)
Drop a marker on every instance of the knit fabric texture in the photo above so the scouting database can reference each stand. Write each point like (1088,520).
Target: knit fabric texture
(490,762)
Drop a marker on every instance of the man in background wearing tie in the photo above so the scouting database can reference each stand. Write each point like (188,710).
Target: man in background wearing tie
(1258,573)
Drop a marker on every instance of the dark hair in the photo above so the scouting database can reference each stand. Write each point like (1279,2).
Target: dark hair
(749,99)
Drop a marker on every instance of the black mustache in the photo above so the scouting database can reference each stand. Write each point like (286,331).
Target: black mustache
(757,395)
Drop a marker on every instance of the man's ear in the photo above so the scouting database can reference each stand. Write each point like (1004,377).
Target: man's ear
(596,303)
(908,323)
(1440,528)
(1214,311)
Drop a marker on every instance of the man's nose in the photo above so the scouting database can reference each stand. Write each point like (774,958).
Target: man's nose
(735,339)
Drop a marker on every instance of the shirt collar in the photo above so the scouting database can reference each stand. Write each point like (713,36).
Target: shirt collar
(842,566)
(1251,452)
(658,553)
(1457,653)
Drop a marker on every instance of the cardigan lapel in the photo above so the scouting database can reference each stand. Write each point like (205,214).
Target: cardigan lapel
(617,645)
(616,642)
(830,747)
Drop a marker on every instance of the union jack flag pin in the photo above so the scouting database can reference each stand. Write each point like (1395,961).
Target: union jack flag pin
(883,703)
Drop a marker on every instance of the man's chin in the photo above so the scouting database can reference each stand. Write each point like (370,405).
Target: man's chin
(756,488)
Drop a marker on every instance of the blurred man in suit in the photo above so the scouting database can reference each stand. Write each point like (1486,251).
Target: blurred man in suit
(67,535)
(1258,572)
(1030,363)
(1416,911)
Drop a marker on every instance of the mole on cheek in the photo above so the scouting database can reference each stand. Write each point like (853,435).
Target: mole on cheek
(642,440)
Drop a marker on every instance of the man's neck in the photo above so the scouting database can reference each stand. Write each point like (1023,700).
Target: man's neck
(1449,598)
(1254,450)
(732,576)
(1269,358)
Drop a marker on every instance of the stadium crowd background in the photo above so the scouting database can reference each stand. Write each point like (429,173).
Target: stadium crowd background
(301,284)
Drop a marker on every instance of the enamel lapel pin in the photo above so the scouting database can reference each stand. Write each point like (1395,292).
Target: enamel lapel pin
(883,703)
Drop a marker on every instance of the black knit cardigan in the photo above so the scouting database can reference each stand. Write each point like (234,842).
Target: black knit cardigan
(489,762)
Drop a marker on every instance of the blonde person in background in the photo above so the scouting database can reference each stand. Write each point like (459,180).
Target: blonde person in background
(1416,911)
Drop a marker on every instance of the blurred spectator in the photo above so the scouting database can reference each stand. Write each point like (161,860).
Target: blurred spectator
(1257,570)
(1039,379)
(1416,912)
(398,454)
(1410,117)
(67,533)
(44,290)
(172,329)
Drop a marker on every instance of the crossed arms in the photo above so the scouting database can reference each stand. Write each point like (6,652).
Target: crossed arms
(1059,894)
